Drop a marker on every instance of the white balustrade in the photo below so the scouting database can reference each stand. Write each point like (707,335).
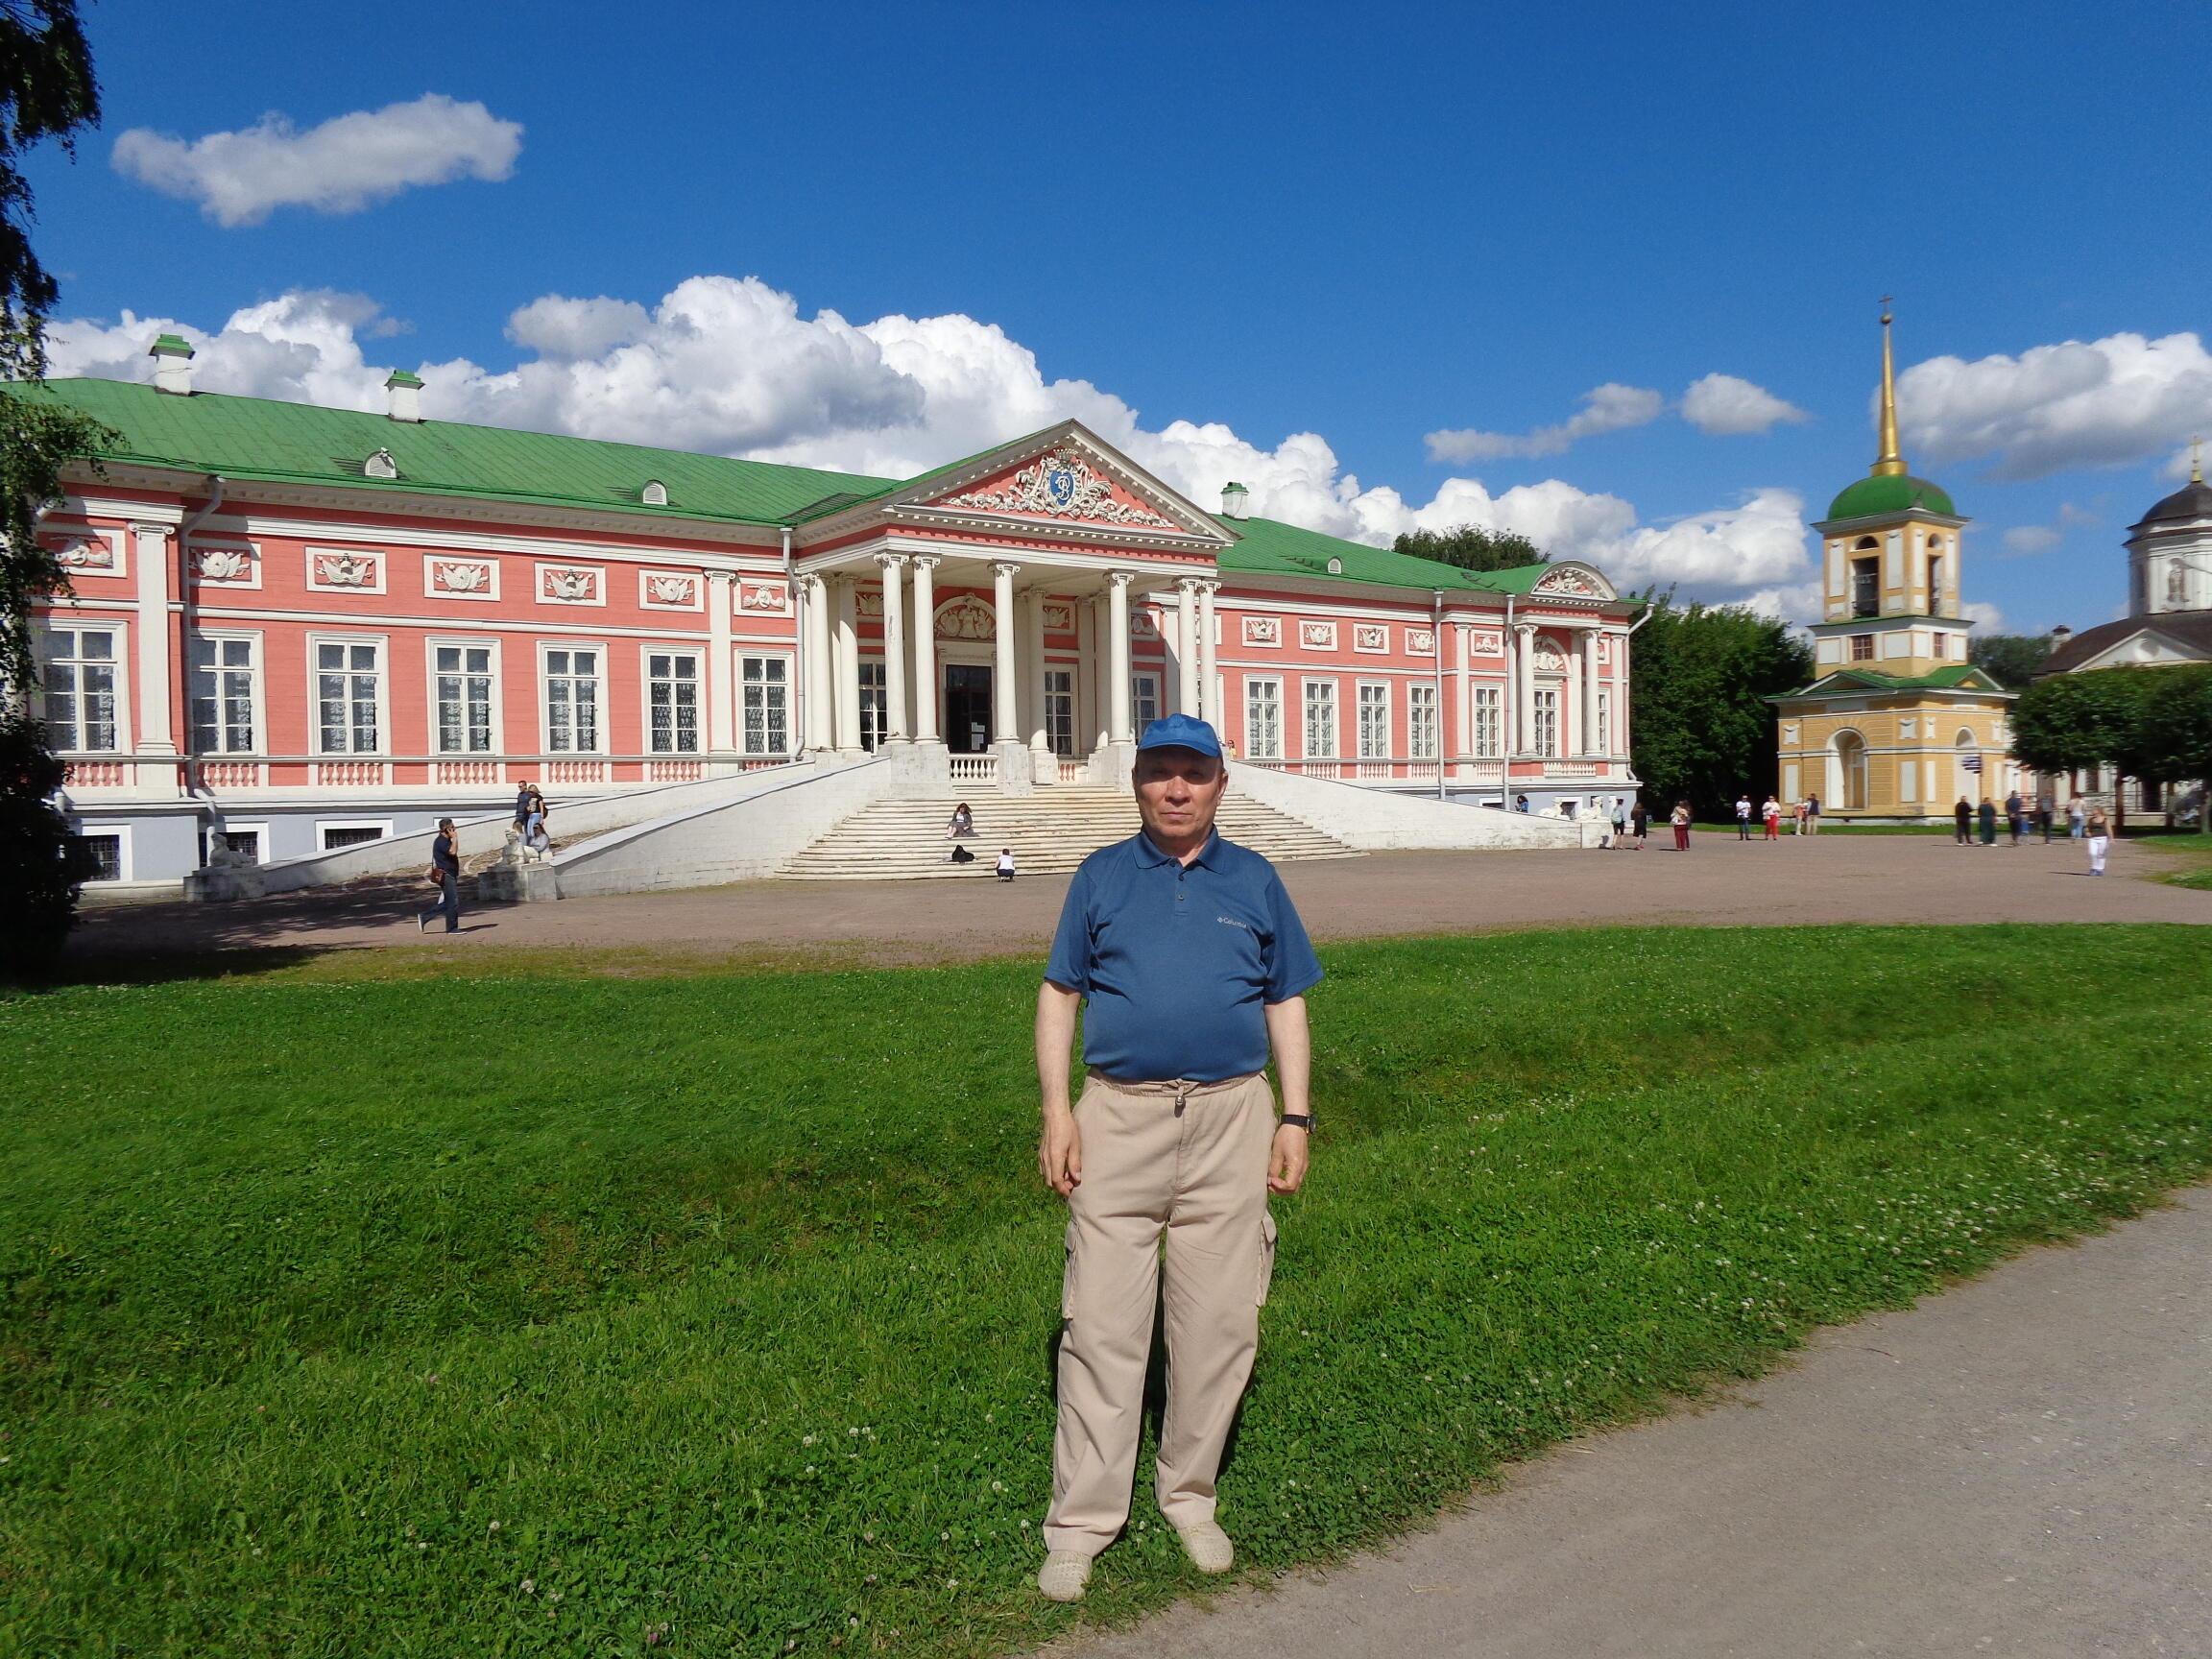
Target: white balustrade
(974,768)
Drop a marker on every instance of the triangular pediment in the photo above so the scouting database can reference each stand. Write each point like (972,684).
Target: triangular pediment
(2148,646)
(1571,578)
(1063,480)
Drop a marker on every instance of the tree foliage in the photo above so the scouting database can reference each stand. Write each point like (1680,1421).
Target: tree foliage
(47,92)
(2175,738)
(2070,722)
(1471,548)
(1701,727)
(2011,660)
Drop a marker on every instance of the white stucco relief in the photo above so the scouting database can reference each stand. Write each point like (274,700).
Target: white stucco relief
(1061,485)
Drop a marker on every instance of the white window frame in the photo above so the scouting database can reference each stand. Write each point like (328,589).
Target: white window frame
(744,730)
(1604,745)
(259,695)
(1060,713)
(875,697)
(383,643)
(1487,715)
(699,723)
(1254,749)
(1422,709)
(545,647)
(76,623)
(323,826)
(1545,720)
(1305,707)
(260,830)
(431,645)
(125,865)
(1363,704)
(1143,688)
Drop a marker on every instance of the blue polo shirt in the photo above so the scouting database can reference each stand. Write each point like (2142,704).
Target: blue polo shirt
(1176,963)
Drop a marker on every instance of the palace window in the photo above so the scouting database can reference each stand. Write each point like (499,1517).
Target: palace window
(1862,647)
(874,706)
(245,843)
(1263,719)
(572,701)
(1320,720)
(1605,744)
(1143,700)
(349,696)
(1060,712)
(765,685)
(1373,720)
(80,698)
(1421,721)
(222,695)
(671,703)
(463,682)
(337,836)
(103,856)
(1489,721)
(1545,708)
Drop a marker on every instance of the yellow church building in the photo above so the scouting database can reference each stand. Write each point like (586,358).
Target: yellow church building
(1897,723)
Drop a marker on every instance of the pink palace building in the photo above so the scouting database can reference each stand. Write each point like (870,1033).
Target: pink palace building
(293,629)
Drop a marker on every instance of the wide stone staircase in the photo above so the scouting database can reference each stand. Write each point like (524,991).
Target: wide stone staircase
(1052,831)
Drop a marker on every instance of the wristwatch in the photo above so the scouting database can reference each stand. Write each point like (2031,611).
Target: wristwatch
(1298,1120)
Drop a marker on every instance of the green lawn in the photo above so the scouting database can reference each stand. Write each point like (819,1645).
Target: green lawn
(2190,853)
(710,1312)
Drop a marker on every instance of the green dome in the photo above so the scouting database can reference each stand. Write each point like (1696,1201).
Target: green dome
(1890,493)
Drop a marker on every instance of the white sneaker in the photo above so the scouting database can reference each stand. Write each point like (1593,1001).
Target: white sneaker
(1063,1576)
(1208,1548)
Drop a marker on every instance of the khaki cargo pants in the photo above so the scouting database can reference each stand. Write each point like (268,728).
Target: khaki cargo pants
(1187,1161)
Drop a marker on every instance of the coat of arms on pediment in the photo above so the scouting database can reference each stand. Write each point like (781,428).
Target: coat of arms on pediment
(1061,485)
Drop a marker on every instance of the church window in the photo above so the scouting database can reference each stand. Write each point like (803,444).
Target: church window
(1862,647)
(1866,586)
(1942,645)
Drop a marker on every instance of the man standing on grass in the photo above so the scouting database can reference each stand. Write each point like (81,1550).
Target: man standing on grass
(1193,965)
(446,870)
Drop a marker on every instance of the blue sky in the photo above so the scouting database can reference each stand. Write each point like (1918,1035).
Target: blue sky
(1369,226)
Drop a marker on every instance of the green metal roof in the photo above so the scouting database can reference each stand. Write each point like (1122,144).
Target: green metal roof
(256,438)
(1963,677)
(1267,547)
(1890,493)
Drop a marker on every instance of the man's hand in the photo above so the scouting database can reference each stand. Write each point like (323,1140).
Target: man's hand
(1060,1152)
(1286,1159)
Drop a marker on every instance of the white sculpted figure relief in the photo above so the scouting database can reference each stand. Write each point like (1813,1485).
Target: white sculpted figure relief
(1061,485)
(1059,617)
(761,596)
(1145,625)
(1317,635)
(566,583)
(966,617)
(87,553)
(1262,631)
(346,570)
(1370,636)
(1550,657)
(1574,583)
(671,589)
(1485,642)
(1420,641)
(461,576)
(869,602)
(224,565)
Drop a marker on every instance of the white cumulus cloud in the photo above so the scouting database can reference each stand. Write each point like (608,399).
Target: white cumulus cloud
(340,166)
(729,366)
(2096,404)
(1608,408)
(1729,406)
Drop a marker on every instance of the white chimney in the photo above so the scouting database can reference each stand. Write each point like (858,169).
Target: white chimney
(172,364)
(1233,497)
(406,391)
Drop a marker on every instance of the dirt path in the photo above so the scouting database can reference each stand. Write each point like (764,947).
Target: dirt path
(2018,1467)
(1720,882)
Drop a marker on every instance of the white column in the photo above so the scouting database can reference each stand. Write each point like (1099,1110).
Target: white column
(925,649)
(1592,679)
(894,568)
(1463,694)
(1090,690)
(1572,741)
(1187,646)
(847,636)
(1033,641)
(153,661)
(1620,733)
(1524,688)
(721,696)
(1208,672)
(821,722)
(1117,655)
(1003,722)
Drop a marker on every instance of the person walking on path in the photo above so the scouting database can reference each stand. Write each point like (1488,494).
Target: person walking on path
(1742,817)
(2074,819)
(1812,814)
(2046,809)
(2099,841)
(1639,821)
(1193,967)
(1798,815)
(1962,823)
(1680,819)
(1988,822)
(522,793)
(1620,821)
(1771,815)
(446,872)
(2015,816)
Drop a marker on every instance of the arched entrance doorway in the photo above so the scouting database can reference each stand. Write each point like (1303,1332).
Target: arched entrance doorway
(1851,771)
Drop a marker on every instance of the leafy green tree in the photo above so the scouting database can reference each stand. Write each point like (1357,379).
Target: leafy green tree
(1471,548)
(2071,722)
(2176,730)
(1701,677)
(2011,660)
(47,92)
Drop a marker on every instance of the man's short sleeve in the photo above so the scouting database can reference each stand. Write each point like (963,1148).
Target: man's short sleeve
(1069,964)
(1292,967)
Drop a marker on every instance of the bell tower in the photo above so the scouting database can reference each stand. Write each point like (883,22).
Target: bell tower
(1891,554)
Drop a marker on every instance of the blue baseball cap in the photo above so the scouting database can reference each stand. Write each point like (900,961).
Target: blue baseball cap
(1181,732)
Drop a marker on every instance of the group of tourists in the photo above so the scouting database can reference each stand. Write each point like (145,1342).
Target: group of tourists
(962,828)
(1977,825)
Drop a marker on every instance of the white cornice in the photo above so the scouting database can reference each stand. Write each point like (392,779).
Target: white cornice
(251,524)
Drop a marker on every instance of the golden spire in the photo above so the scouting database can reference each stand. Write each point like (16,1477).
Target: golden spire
(1889,463)
(2196,460)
